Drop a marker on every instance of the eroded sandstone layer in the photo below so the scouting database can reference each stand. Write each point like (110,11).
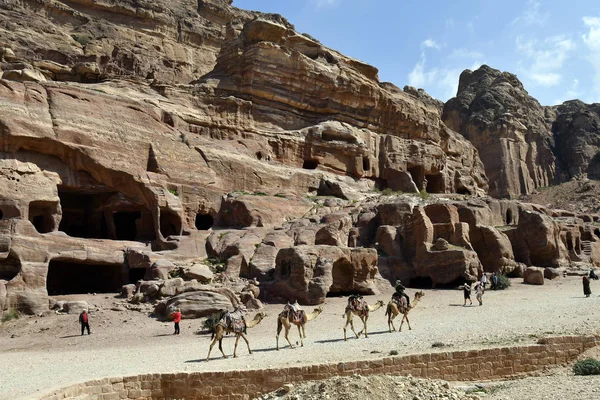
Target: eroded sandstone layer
(140,141)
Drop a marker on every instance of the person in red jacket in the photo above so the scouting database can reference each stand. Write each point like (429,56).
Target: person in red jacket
(84,321)
(177,320)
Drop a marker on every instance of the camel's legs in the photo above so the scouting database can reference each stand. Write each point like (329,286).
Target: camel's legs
(365,324)
(287,327)
(404,317)
(304,331)
(300,333)
(348,320)
(279,326)
(391,321)
(237,339)
(352,327)
(218,338)
(246,340)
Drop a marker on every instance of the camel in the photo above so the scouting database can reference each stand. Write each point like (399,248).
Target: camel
(393,310)
(286,319)
(363,315)
(225,326)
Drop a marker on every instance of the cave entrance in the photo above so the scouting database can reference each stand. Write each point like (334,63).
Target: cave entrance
(343,278)
(417,173)
(435,183)
(136,274)
(67,277)
(1,214)
(509,217)
(310,164)
(10,267)
(170,223)
(41,215)
(597,233)
(204,221)
(125,224)
(366,164)
(104,215)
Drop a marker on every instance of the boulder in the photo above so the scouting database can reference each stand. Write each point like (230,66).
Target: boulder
(554,273)
(170,287)
(336,230)
(388,240)
(440,245)
(160,269)
(200,272)
(538,237)
(308,273)
(533,276)
(76,307)
(197,304)
(128,290)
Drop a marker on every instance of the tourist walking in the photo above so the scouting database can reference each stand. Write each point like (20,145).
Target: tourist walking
(586,286)
(177,320)
(467,293)
(479,295)
(484,280)
(84,320)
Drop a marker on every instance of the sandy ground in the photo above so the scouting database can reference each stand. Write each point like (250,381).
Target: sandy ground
(39,353)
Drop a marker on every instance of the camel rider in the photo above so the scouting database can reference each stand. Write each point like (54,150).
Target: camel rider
(400,292)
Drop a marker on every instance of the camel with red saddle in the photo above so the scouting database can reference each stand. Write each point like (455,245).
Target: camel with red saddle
(292,315)
(400,307)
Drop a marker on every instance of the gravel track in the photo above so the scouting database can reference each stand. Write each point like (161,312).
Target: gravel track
(47,352)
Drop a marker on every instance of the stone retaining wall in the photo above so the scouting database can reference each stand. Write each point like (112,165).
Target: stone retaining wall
(485,364)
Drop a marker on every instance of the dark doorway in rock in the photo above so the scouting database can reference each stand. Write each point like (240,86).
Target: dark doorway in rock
(343,278)
(1,214)
(83,214)
(417,173)
(10,267)
(310,164)
(66,277)
(435,183)
(464,191)
(509,217)
(421,283)
(170,223)
(597,233)
(204,221)
(366,164)
(41,215)
(136,274)
(125,224)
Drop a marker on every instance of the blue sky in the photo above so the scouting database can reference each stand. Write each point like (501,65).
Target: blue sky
(553,46)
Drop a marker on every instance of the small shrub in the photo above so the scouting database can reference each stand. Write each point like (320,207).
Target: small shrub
(394,353)
(82,39)
(589,366)
(260,194)
(174,192)
(503,282)
(438,344)
(424,195)
(10,314)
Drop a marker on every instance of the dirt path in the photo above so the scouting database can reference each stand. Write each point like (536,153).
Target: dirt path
(48,352)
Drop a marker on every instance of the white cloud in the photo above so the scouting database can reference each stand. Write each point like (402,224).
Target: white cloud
(572,93)
(547,58)
(430,43)
(592,41)
(439,82)
(532,15)
(326,3)
(461,54)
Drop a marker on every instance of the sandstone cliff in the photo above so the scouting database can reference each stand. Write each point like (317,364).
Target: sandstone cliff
(509,128)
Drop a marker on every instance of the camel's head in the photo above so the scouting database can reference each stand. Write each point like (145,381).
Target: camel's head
(318,310)
(259,316)
(379,303)
(419,294)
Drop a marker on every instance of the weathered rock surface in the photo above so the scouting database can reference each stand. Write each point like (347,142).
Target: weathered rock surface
(534,276)
(508,127)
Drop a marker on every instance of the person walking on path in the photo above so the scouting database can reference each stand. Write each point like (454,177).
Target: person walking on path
(84,320)
(479,295)
(586,286)
(484,280)
(177,320)
(467,293)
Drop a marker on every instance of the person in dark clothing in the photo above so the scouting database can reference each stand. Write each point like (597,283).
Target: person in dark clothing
(593,275)
(586,286)
(85,322)
(400,292)
(467,293)
(494,281)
